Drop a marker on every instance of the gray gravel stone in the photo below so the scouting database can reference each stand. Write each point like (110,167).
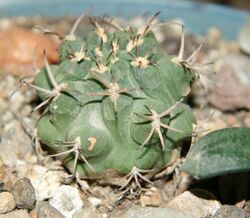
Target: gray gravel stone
(24,194)
(67,200)
(156,212)
(196,202)
(227,211)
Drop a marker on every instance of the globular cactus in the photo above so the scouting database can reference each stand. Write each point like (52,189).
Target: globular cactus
(115,101)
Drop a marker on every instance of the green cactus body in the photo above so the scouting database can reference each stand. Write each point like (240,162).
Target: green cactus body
(115,81)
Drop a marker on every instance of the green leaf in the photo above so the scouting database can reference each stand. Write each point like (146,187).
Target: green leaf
(220,152)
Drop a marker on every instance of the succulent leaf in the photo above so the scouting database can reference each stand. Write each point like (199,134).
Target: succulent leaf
(220,152)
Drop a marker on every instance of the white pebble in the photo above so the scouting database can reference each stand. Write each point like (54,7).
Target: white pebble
(67,200)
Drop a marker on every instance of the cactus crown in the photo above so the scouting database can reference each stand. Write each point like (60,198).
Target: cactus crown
(115,100)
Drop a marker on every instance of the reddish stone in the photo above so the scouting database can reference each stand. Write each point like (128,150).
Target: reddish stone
(17,47)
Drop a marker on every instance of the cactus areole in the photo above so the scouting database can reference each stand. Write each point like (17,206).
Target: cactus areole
(114,101)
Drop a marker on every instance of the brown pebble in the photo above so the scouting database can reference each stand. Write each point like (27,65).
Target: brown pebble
(24,194)
(7,202)
(16,214)
(9,180)
(17,49)
(45,210)
(247,206)
(151,198)
(33,213)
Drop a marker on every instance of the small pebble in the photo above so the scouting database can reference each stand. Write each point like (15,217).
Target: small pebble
(151,198)
(67,200)
(7,202)
(33,213)
(228,211)
(9,181)
(45,210)
(46,182)
(95,201)
(196,202)
(16,214)
(24,194)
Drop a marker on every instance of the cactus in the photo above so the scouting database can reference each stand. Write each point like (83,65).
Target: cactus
(115,101)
